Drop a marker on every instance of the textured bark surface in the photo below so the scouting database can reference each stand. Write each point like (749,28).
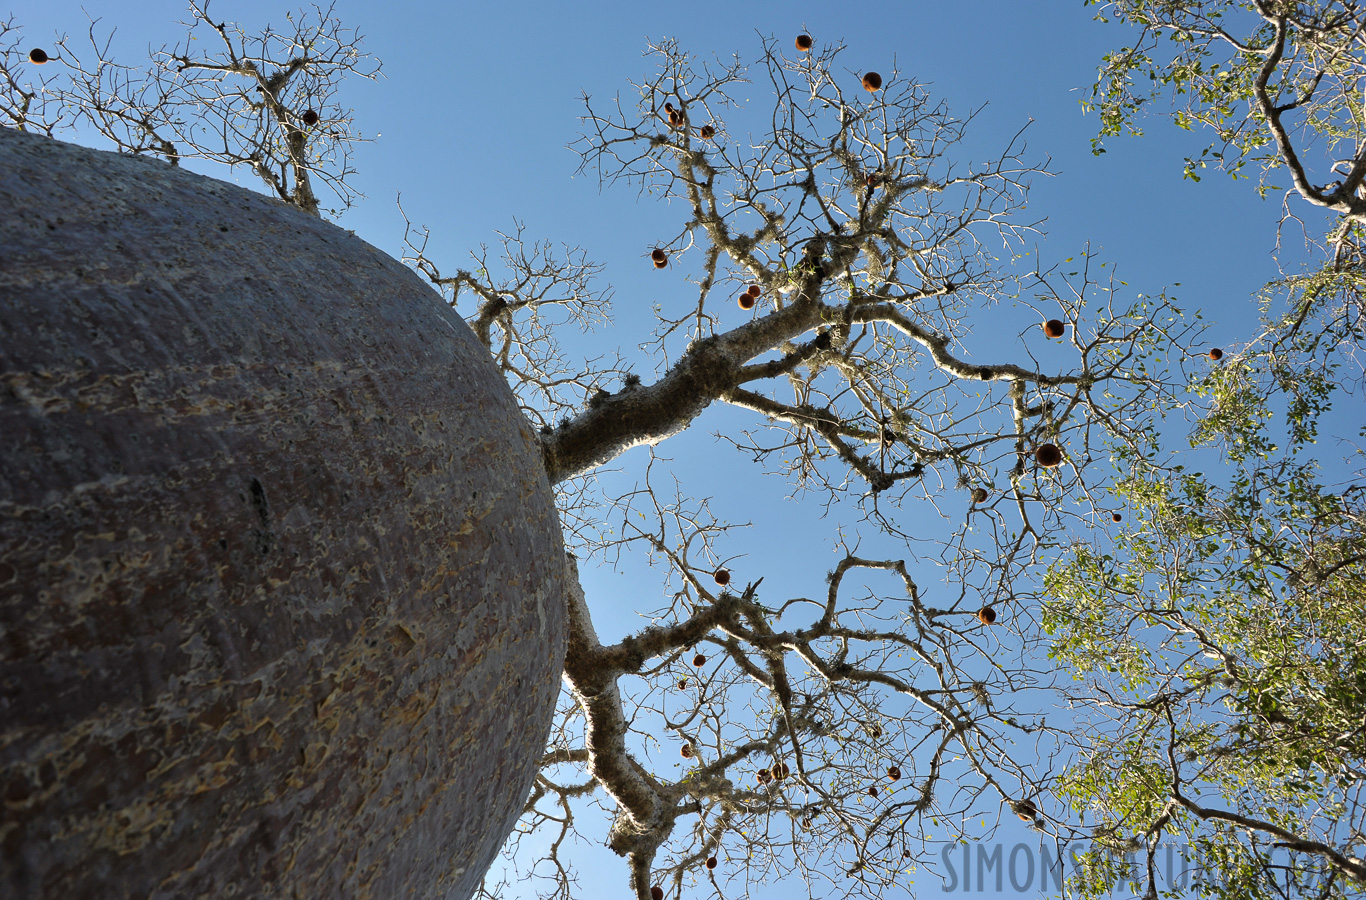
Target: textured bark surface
(280,573)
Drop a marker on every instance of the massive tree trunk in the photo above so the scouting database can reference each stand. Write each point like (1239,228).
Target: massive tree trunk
(281,577)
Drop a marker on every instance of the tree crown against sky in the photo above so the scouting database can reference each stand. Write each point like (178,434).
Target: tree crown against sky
(872,245)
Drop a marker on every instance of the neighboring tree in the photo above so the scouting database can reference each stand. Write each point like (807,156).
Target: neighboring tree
(1278,82)
(827,734)
(1220,634)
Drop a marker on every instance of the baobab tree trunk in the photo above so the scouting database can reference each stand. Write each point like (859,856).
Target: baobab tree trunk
(281,578)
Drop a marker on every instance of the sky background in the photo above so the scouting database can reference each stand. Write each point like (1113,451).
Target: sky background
(479,101)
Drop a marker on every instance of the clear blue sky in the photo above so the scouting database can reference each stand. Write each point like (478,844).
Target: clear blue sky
(480,99)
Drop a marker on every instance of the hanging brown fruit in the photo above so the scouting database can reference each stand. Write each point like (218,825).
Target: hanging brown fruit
(781,770)
(986,615)
(682,683)
(699,660)
(979,495)
(1216,354)
(722,577)
(1048,455)
(310,117)
(872,82)
(764,776)
(711,862)
(905,854)
(656,893)
(1026,810)
(754,291)
(893,773)
(1053,328)
(708,132)
(804,42)
(686,751)
(661,259)
(675,118)
(37,56)
(872,790)
(745,301)
(1117,517)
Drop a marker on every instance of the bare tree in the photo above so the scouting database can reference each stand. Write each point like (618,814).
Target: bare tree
(826,734)
(822,732)
(267,101)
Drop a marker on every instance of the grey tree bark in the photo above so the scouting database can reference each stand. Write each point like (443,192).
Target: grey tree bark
(281,577)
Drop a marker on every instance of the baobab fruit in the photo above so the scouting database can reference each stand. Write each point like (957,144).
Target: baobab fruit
(1048,455)
(682,683)
(746,301)
(979,495)
(310,117)
(37,56)
(1216,354)
(708,132)
(711,862)
(699,660)
(872,82)
(872,790)
(754,291)
(804,42)
(722,577)
(1053,328)
(686,751)
(1117,517)
(656,893)
(986,615)
(661,259)
(1026,810)
(763,776)
(780,770)
(893,773)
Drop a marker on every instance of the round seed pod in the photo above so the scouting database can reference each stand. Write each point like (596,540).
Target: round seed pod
(686,751)
(986,615)
(656,893)
(781,770)
(979,495)
(310,117)
(660,258)
(1026,810)
(745,301)
(711,862)
(37,56)
(872,790)
(872,82)
(708,132)
(1216,354)
(1117,517)
(722,576)
(682,684)
(804,42)
(764,776)
(893,773)
(1053,328)
(754,290)
(905,854)
(699,660)
(1048,455)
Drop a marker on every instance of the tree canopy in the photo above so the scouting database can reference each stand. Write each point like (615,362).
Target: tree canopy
(1206,652)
